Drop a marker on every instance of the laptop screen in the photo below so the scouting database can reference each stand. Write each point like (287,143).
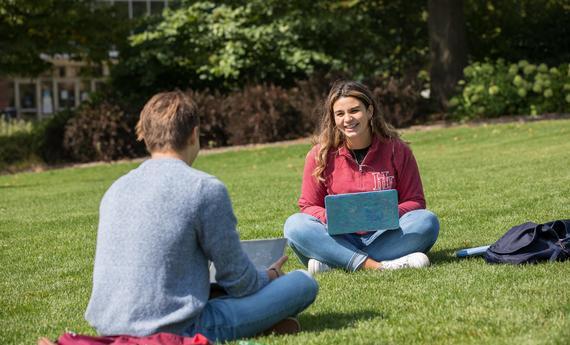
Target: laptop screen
(262,253)
(367,211)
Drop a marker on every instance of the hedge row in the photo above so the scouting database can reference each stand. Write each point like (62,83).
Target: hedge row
(104,130)
(255,114)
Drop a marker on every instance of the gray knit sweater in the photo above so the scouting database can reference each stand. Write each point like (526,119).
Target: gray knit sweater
(158,227)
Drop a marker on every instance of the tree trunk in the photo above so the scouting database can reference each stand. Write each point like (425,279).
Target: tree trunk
(448,48)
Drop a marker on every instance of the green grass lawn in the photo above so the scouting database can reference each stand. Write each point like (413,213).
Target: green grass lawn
(479,180)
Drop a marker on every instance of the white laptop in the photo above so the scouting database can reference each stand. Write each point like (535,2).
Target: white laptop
(262,253)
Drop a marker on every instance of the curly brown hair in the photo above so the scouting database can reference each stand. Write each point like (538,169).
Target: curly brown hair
(331,137)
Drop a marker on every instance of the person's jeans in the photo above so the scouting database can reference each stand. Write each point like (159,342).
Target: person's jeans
(308,238)
(229,318)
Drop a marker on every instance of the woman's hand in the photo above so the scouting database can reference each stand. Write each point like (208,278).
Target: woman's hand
(274,271)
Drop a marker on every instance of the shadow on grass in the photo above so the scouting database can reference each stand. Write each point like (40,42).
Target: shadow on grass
(336,320)
(445,256)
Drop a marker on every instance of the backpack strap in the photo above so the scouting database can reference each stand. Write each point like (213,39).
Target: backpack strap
(556,252)
(564,243)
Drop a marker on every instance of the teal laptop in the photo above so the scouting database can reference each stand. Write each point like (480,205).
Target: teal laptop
(368,211)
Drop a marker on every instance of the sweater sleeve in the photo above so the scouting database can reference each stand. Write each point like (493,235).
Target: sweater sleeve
(410,190)
(313,192)
(219,240)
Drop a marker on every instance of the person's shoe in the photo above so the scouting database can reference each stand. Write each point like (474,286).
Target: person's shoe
(315,266)
(414,260)
(289,325)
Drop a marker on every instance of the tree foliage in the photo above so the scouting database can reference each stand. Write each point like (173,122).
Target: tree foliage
(227,44)
(515,30)
(222,46)
(76,28)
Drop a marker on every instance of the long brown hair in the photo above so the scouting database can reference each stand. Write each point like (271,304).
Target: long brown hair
(331,137)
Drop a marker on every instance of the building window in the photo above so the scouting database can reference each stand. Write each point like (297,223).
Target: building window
(47,98)
(7,99)
(28,96)
(66,94)
(84,90)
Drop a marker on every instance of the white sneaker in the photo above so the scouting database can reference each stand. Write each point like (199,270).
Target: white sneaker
(414,260)
(315,266)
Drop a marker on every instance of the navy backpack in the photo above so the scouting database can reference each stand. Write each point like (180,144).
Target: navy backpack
(531,243)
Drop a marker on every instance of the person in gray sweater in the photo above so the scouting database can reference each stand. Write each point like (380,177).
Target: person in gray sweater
(160,224)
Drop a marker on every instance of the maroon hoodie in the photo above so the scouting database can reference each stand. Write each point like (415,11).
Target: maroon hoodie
(389,164)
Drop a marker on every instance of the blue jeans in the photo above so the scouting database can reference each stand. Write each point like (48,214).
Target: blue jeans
(229,318)
(308,238)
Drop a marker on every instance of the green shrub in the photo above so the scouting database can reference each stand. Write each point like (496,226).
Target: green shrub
(10,126)
(25,143)
(496,89)
(48,135)
(18,143)
(16,148)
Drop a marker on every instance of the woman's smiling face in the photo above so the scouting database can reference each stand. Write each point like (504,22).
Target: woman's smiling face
(352,118)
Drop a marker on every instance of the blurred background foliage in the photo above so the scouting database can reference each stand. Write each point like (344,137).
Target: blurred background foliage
(31,28)
(225,45)
(515,30)
(260,69)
